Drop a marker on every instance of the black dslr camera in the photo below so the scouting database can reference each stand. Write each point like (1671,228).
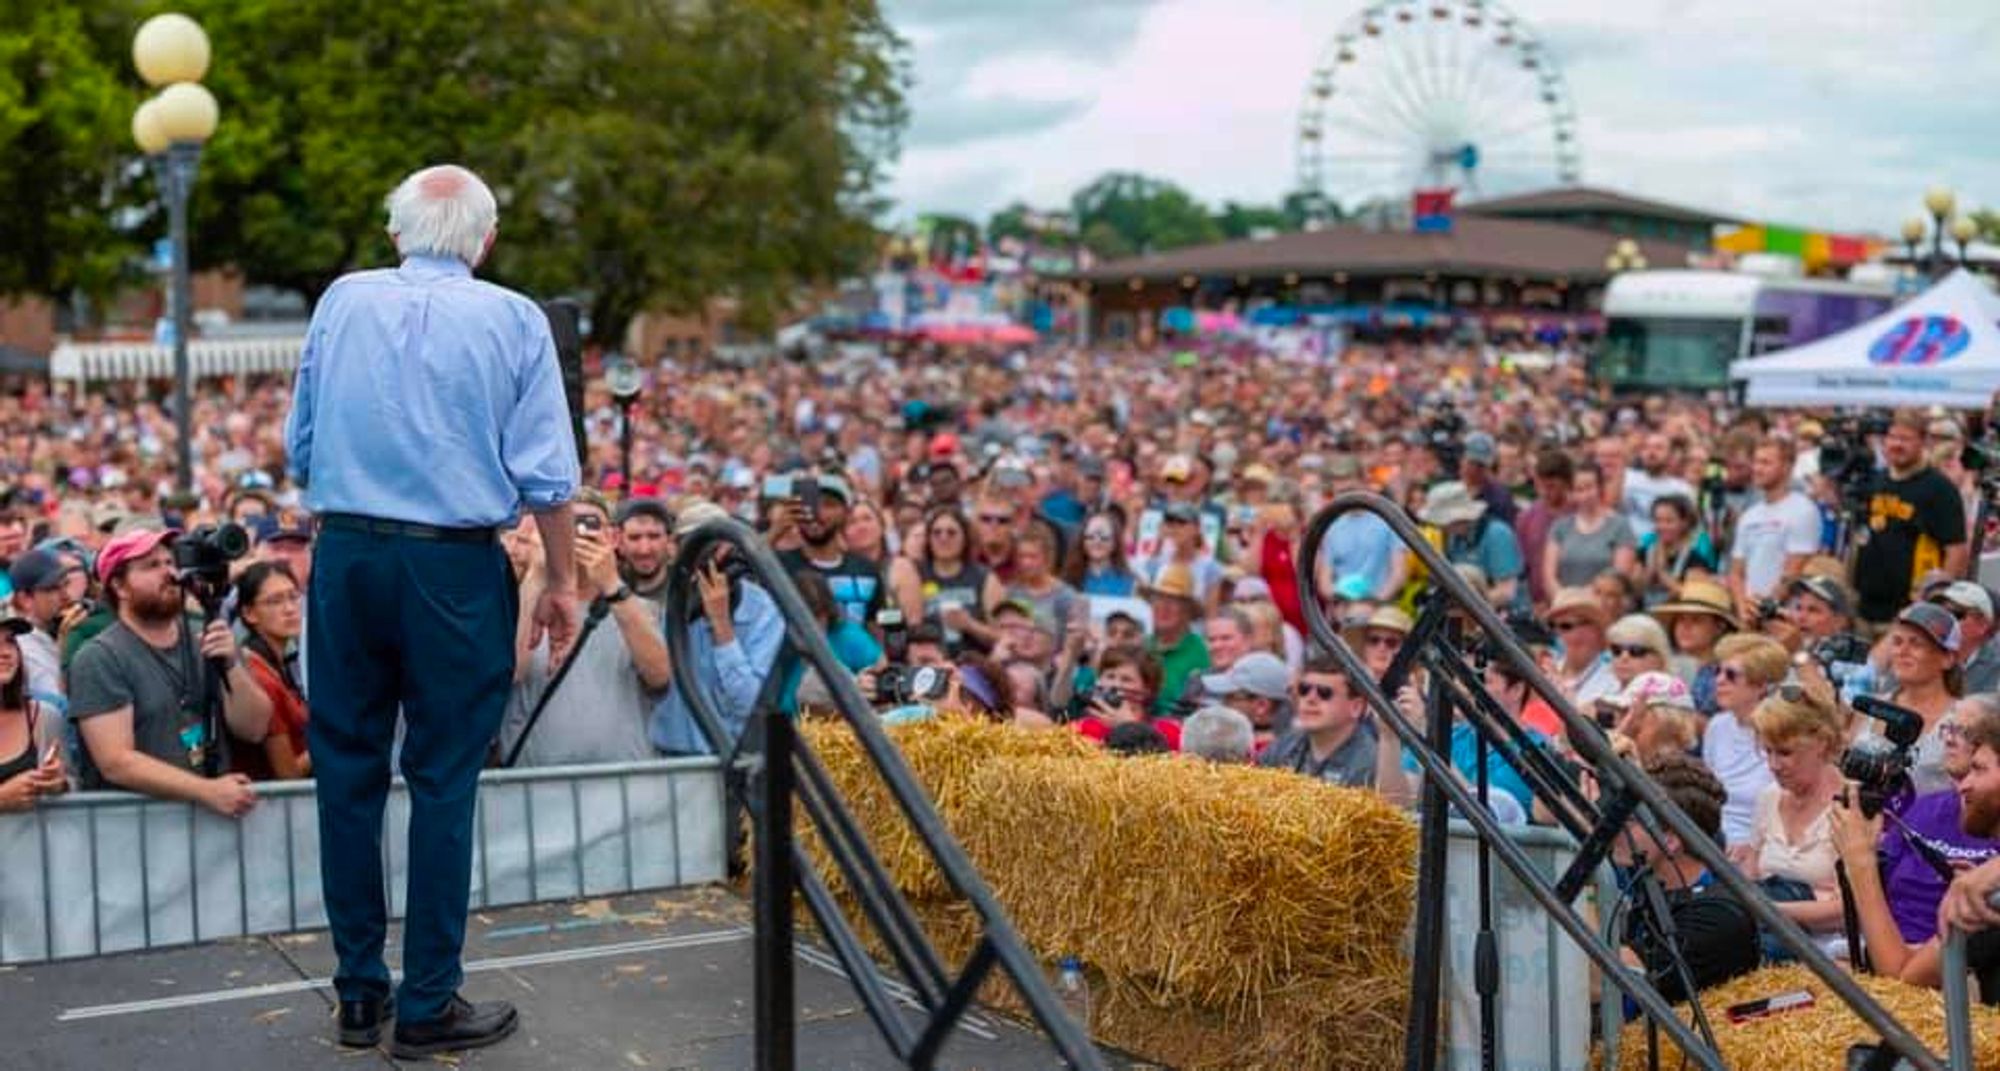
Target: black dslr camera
(202,558)
(901,685)
(1880,765)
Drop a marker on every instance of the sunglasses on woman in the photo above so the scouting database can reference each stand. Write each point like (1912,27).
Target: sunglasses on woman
(1630,651)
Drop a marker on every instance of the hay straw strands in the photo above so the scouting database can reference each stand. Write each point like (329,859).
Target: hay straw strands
(1818,1037)
(1230,917)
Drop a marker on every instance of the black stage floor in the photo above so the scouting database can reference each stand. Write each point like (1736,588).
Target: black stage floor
(647,981)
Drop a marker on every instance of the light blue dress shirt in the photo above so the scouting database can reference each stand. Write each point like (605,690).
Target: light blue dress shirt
(428,396)
(730,676)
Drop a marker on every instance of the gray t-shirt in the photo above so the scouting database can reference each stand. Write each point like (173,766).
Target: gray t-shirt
(1581,556)
(599,712)
(1352,764)
(167,689)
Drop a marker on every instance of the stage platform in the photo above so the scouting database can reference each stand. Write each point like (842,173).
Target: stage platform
(642,981)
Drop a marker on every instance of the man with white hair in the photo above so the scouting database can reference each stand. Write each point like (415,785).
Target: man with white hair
(428,412)
(1219,734)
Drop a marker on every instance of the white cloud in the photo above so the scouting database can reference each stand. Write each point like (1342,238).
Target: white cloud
(1832,113)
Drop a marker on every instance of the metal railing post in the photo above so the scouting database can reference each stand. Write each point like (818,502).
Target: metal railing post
(776,988)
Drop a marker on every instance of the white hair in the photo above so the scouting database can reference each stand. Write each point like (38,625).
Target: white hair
(1219,734)
(442,211)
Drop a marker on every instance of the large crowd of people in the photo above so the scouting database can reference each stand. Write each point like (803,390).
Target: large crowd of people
(1109,544)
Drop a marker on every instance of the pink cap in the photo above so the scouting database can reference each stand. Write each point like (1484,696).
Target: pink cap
(131,545)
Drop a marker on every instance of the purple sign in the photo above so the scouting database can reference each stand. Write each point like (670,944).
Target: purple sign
(1921,340)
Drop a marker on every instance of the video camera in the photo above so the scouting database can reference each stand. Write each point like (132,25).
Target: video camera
(1847,457)
(1880,765)
(202,558)
(1444,433)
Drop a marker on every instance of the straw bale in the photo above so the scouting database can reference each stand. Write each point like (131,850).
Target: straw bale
(1817,1037)
(1229,917)
(944,753)
(1212,884)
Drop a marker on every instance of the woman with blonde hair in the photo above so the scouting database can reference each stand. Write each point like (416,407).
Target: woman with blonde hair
(1792,849)
(1749,667)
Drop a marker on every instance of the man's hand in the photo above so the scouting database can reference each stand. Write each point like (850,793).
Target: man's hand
(1964,904)
(556,618)
(218,642)
(231,795)
(714,587)
(598,563)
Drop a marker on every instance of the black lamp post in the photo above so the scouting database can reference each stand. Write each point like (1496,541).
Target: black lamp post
(171,50)
(626,382)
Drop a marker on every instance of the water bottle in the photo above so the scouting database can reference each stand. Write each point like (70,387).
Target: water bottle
(1074,991)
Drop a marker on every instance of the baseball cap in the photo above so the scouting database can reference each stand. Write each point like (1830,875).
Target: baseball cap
(137,544)
(1179,467)
(943,445)
(1828,590)
(37,570)
(1963,594)
(837,487)
(697,513)
(291,523)
(1480,448)
(1258,673)
(1935,622)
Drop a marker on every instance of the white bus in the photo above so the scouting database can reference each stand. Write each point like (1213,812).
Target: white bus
(1679,330)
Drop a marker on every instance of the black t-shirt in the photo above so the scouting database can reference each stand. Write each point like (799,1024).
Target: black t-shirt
(1716,935)
(858,590)
(1910,522)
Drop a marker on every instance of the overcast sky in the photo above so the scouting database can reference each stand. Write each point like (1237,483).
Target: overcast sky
(1827,113)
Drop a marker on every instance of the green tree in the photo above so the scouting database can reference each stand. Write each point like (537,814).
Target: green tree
(1146,215)
(645,155)
(679,152)
(1243,221)
(66,162)
(1988,222)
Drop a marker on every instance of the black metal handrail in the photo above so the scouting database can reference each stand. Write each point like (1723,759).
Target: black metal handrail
(1624,788)
(779,768)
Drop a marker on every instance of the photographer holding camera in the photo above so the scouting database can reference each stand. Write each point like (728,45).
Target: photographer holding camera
(734,643)
(140,690)
(594,706)
(1916,522)
(1893,869)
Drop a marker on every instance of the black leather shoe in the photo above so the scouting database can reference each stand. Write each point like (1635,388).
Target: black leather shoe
(462,1026)
(361,1021)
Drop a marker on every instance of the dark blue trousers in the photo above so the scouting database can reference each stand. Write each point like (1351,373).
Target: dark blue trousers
(427,627)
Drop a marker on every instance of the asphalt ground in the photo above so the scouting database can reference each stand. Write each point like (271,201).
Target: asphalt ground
(645,981)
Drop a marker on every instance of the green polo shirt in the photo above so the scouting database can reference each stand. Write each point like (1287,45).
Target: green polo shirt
(1177,664)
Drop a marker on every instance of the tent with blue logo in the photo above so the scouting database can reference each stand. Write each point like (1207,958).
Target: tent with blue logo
(1941,347)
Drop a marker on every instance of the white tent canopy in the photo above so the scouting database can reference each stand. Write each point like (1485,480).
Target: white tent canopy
(1941,347)
(208,358)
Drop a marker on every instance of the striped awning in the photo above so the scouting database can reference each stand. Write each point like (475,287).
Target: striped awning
(210,357)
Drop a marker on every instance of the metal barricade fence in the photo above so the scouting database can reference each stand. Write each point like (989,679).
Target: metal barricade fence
(102,872)
(1545,991)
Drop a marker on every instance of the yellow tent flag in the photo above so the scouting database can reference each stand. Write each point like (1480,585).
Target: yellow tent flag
(1818,251)
(1742,240)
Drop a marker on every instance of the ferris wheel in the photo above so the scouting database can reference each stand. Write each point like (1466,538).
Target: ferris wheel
(1435,93)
